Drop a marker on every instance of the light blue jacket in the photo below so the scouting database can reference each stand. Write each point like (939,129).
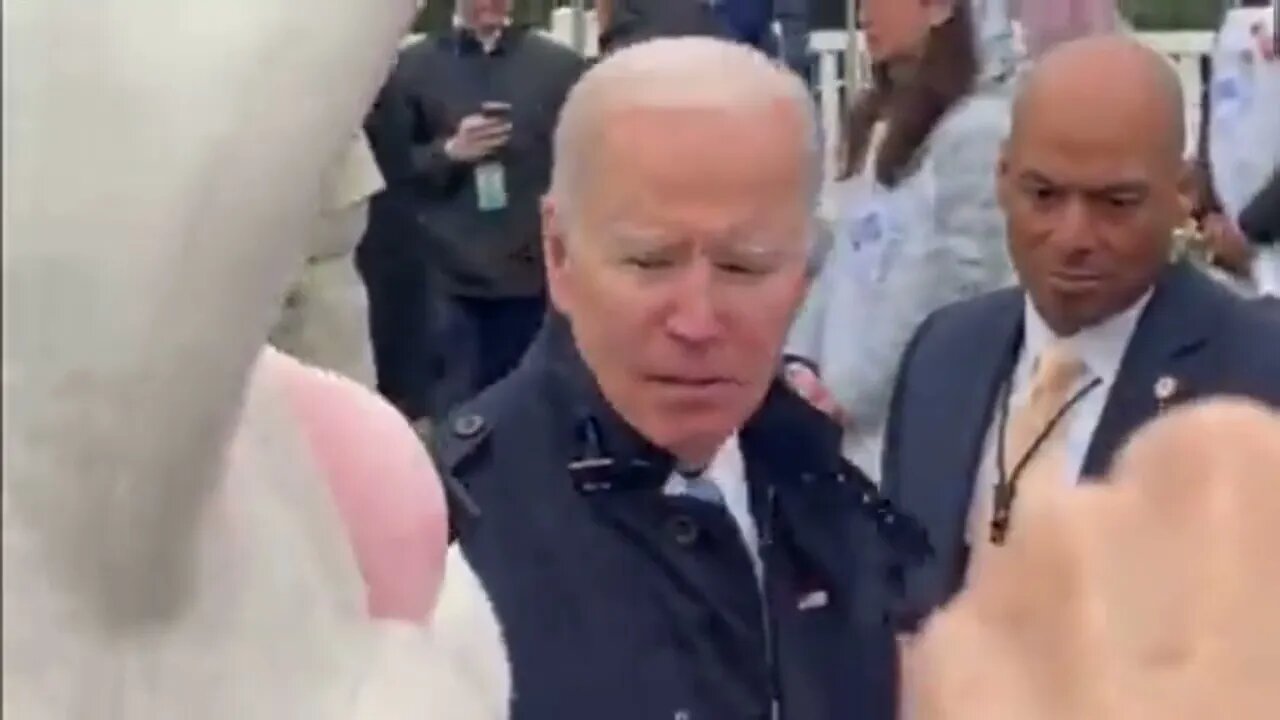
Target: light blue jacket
(900,253)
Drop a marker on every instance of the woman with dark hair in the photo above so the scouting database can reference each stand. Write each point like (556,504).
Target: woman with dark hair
(917,225)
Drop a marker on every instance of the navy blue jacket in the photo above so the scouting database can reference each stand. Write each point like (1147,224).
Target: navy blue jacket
(1194,330)
(619,602)
(1260,220)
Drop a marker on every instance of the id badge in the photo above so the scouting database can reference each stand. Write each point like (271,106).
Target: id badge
(491,186)
(1231,95)
(870,235)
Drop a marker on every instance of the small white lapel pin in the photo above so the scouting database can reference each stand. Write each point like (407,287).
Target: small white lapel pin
(1166,387)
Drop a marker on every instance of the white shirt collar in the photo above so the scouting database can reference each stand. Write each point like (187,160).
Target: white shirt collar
(1101,346)
(728,472)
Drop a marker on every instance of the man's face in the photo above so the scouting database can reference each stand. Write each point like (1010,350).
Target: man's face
(484,15)
(683,265)
(1091,202)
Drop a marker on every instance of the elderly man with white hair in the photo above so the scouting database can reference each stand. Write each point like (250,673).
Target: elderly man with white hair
(665,530)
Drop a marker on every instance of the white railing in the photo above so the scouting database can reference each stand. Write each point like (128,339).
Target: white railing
(831,48)
(1185,49)
(833,66)
(561,28)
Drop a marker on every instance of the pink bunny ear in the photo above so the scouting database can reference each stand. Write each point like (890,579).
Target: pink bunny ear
(383,481)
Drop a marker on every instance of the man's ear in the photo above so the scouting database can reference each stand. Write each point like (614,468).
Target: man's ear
(1188,190)
(555,253)
(940,11)
(820,241)
(1003,181)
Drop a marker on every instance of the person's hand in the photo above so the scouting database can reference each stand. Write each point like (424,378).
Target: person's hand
(476,137)
(1268,44)
(806,383)
(1151,597)
(1230,249)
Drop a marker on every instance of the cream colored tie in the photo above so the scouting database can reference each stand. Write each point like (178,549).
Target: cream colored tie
(1033,458)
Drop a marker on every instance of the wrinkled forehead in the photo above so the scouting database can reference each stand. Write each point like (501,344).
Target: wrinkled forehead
(1094,145)
(713,171)
(1102,96)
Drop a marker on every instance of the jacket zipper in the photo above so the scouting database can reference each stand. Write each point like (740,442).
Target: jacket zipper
(770,646)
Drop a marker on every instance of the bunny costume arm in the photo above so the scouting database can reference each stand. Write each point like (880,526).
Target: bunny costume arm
(183,535)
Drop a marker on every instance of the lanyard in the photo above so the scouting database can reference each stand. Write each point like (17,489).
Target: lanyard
(1007,483)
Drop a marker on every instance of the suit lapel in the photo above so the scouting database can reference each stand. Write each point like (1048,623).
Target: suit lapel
(997,352)
(961,438)
(1169,336)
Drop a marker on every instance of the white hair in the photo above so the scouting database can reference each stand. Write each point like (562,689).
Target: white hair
(678,73)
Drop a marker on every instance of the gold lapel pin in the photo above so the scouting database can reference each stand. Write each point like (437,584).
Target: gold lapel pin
(1166,387)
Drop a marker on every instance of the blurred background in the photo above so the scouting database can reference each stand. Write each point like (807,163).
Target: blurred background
(1143,14)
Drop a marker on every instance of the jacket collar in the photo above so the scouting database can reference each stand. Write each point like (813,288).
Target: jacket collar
(464,41)
(785,442)
(786,434)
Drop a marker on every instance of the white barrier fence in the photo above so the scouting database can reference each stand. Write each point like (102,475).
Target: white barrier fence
(831,49)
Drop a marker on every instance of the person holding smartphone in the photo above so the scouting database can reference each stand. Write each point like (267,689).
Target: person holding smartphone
(481,133)
(484,101)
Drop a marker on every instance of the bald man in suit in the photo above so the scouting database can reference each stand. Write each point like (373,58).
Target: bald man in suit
(1105,333)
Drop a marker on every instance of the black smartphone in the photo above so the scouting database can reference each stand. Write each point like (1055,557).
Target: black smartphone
(494,110)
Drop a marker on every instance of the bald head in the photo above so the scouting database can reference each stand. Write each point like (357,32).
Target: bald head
(675,74)
(1108,77)
(1093,180)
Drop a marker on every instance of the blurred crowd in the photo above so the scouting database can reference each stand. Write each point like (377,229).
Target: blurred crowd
(437,199)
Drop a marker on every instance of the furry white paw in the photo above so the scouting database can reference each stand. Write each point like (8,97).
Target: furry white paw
(455,669)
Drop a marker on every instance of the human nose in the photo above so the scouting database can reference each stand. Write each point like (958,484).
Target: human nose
(693,318)
(1072,225)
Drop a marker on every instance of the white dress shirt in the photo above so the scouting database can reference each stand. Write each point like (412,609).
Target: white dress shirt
(1266,270)
(1102,348)
(728,472)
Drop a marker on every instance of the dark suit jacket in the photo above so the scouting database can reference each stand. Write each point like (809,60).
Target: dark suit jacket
(1210,340)
(392,258)
(1260,220)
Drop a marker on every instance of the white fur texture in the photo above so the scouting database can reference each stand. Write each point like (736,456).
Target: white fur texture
(170,549)
(276,627)
(458,672)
